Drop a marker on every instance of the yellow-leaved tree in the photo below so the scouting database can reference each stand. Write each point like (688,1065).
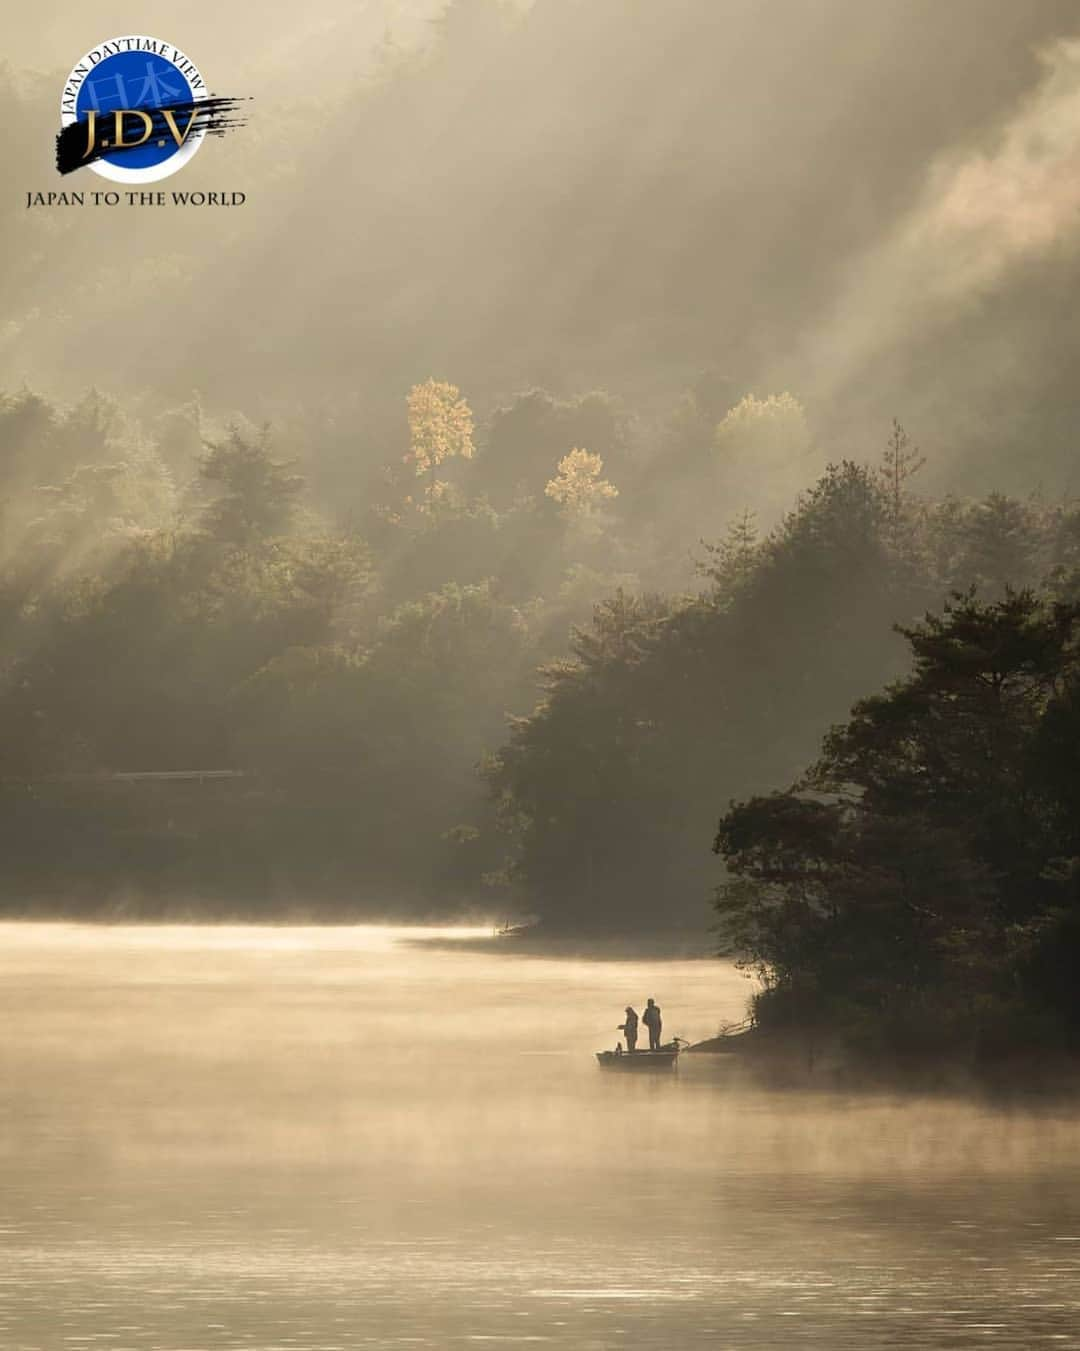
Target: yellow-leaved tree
(577,485)
(440,428)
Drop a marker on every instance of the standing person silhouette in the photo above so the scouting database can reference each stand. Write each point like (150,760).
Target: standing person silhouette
(651,1019)
(630,1028)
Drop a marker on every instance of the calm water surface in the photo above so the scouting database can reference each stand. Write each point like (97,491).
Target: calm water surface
(335,1138)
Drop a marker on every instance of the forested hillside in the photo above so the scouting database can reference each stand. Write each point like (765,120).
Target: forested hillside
(514,683)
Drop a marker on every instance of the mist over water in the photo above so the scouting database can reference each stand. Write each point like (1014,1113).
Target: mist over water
(217,1137)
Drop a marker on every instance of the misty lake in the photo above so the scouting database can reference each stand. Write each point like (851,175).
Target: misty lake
(327,1138)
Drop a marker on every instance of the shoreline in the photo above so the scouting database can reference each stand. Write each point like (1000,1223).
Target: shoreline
(798,1060)
(619,947)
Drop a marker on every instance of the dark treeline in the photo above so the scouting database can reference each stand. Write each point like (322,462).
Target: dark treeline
(179,595)
(671,706)
(917,891)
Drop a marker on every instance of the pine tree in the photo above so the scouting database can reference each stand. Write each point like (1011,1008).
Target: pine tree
(900,462)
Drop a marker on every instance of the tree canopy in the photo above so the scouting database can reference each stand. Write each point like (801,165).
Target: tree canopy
(428,695)
(920,880)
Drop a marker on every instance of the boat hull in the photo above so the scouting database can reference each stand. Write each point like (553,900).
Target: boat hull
(636,1062)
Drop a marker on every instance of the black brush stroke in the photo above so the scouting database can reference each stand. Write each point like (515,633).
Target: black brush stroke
(216,117)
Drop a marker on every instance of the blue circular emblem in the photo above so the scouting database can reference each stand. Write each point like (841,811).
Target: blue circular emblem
(134,80)
(136,95)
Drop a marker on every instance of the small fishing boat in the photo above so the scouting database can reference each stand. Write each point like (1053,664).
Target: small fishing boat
(510,929)
(642,1061)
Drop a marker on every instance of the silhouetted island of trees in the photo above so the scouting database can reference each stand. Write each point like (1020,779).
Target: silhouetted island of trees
(917,890)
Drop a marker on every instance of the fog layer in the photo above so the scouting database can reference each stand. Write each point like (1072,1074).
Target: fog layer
(224,1137)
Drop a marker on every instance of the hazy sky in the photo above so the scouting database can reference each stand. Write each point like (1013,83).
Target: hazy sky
(873,206)
(302,45)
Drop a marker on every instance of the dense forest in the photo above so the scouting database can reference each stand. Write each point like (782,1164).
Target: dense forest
(515,683)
